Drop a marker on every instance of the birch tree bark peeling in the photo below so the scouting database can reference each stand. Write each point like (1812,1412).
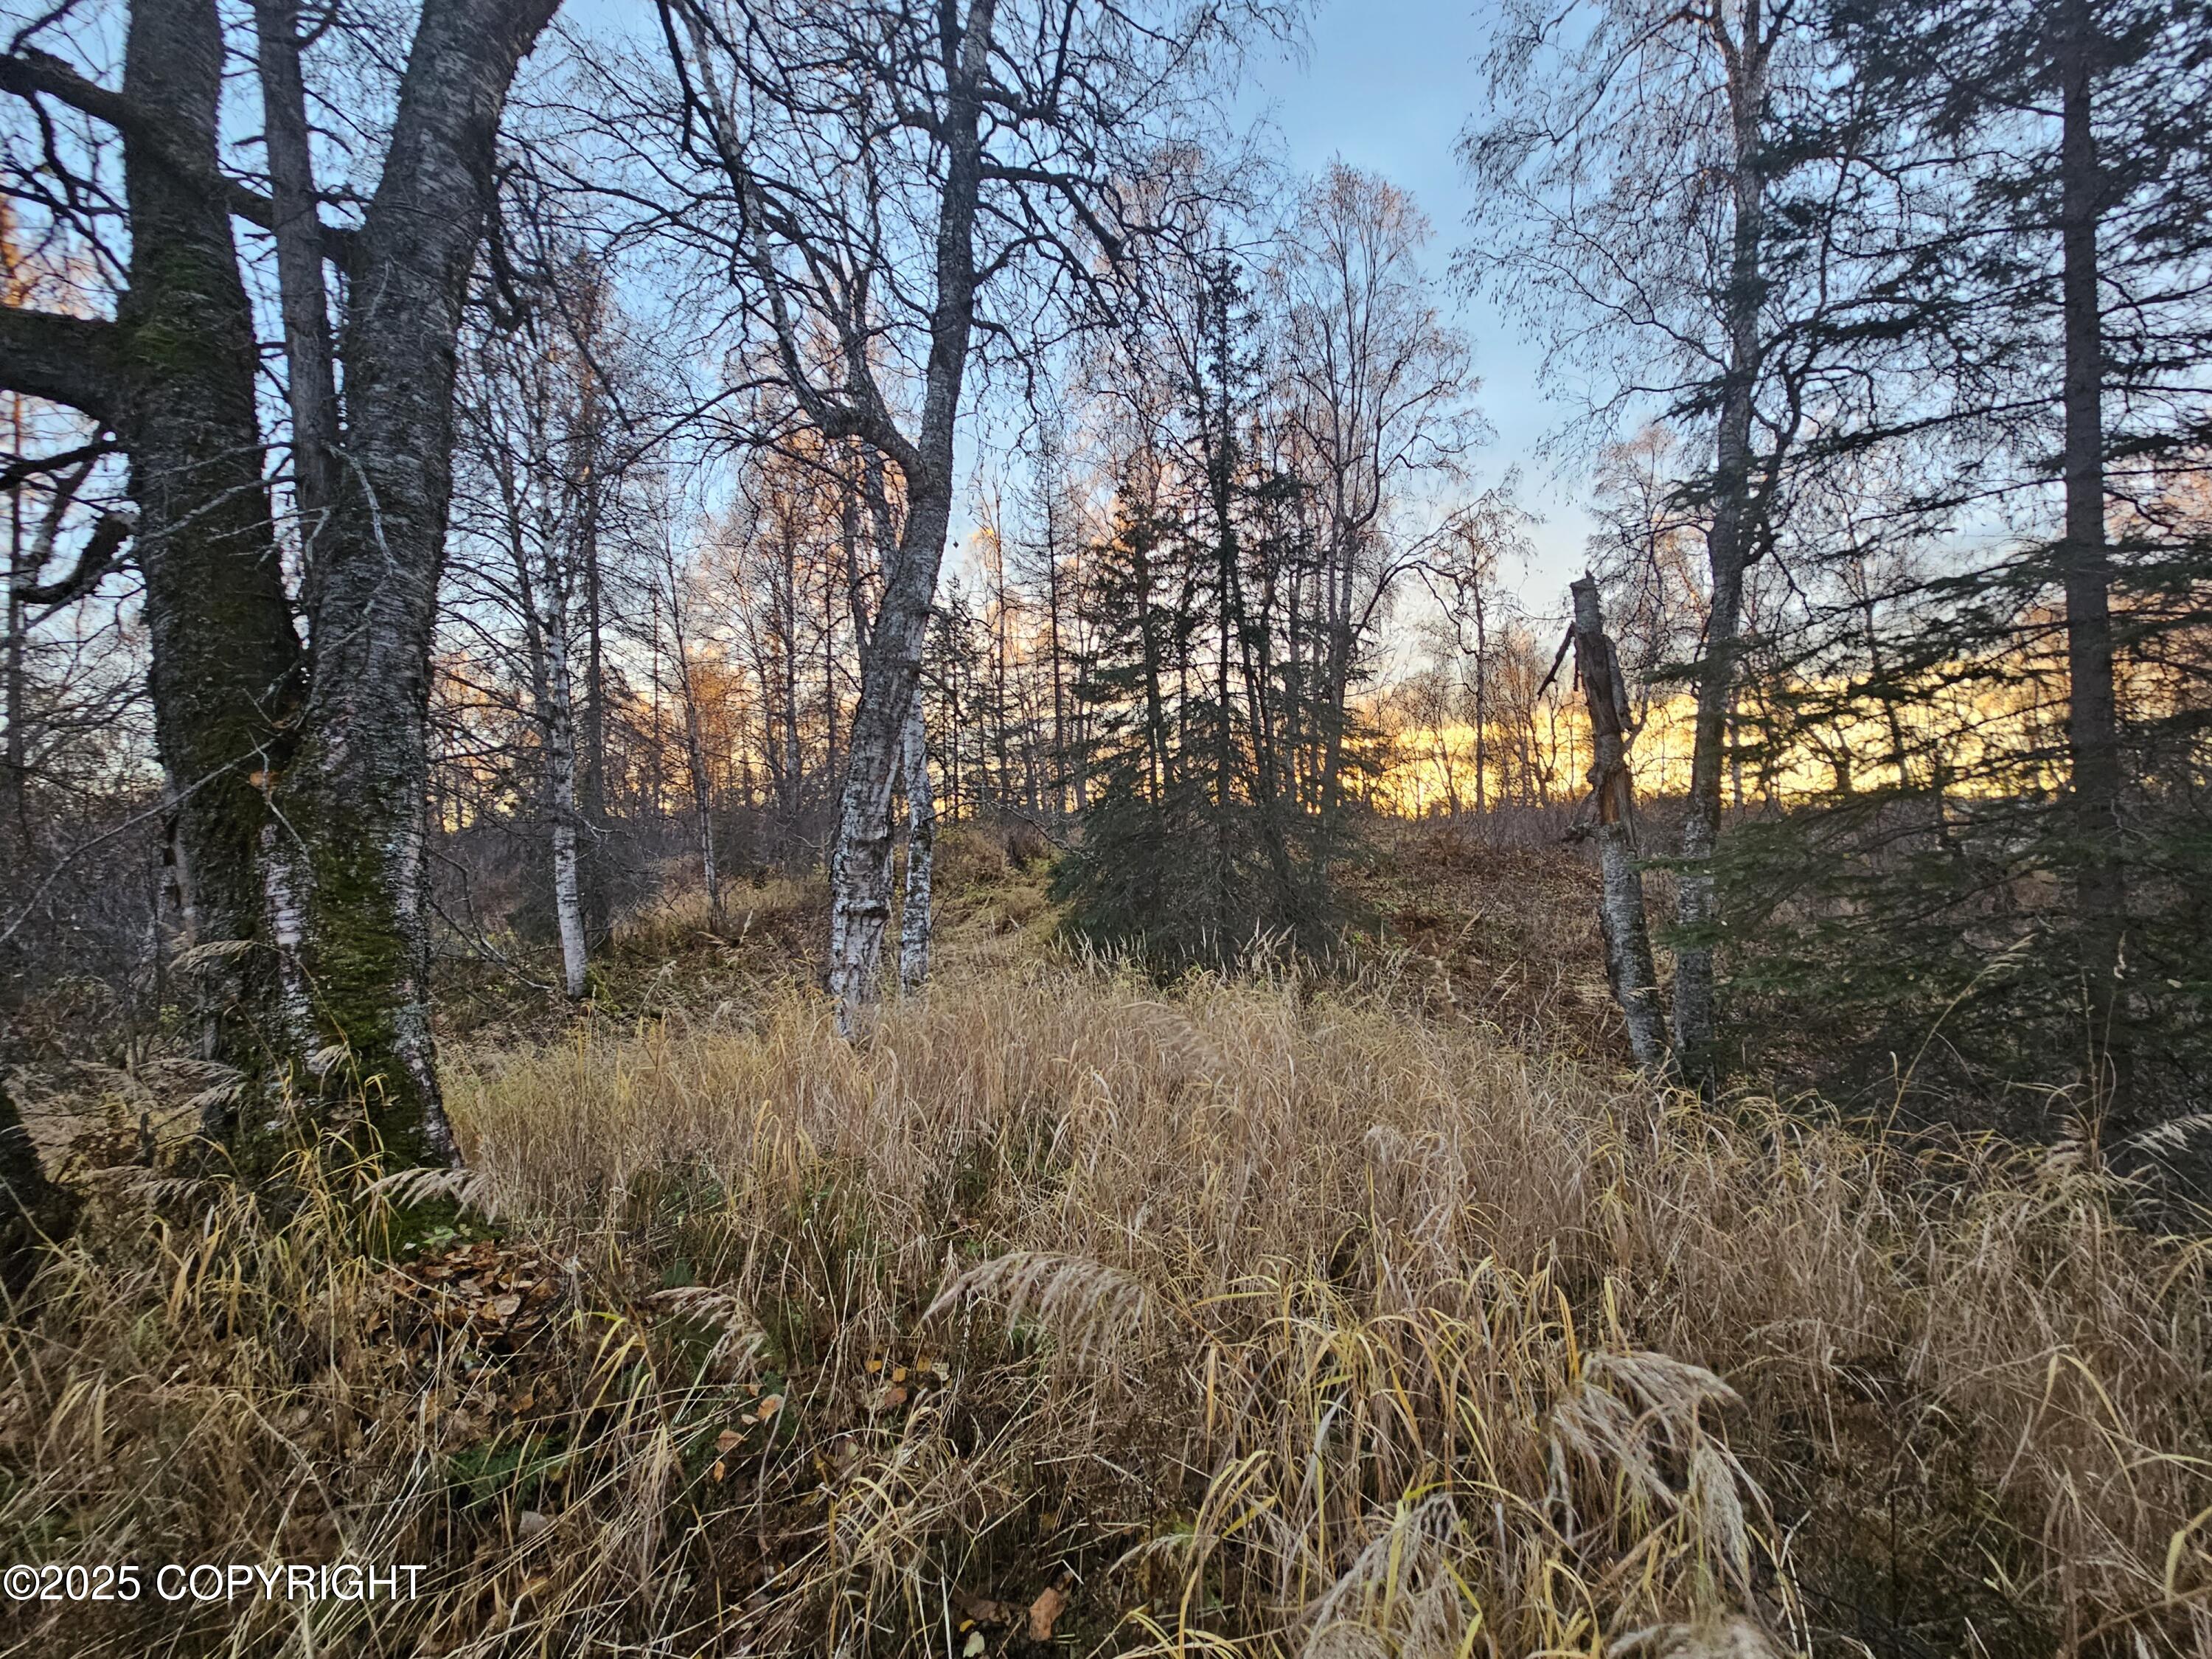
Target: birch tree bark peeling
(1628,959)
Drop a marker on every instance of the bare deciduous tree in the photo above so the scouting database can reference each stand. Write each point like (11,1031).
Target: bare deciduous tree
(300,771)
(896,193)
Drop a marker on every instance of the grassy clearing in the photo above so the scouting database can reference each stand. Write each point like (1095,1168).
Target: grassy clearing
(1068,1314)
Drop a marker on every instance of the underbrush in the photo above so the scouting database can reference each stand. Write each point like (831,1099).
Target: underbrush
(1062,1315)
(1489,919)
(667,954)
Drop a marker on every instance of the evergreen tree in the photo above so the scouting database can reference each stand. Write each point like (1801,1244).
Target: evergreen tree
(2008,640)
(1196,846)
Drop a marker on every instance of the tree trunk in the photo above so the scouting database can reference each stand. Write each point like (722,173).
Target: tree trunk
(695,759)
(561,800)
(1060,770)
(1628,959)
(355,793)
(1726,543)
(311,380)
(17,707)
(591,801)
(332,878)
(543,596)
(33,1209)
(1482,706)
(915,919)
(591,797)
(2093,740)
(1696,913)
(891,662)
(861,866)
(225,677)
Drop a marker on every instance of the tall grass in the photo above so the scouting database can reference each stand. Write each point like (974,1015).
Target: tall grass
(1259,1318)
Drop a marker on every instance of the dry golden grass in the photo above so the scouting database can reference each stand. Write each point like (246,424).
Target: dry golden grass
(680,917)
(1061,1314)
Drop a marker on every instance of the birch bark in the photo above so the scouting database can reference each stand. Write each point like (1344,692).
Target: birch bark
(301,786)
(1628,959)
(356,792)
(303,299)
(914,918)
(225,677)
(891,662)
(561,795)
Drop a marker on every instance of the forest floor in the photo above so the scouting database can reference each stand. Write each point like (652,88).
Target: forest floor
(1371,1311)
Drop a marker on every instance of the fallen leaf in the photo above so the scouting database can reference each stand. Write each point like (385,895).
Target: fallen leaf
(769,1406)
(728,1440)
(504,1307)
(974,1644)
(1044,1611)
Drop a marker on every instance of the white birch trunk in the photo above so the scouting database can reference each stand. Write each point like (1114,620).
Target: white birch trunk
(356,786)
(921,853)
(561,799)
(311,379)
(1628,959)
(890,662)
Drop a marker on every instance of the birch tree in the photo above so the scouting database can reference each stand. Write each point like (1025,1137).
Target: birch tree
(915,919)
(682,633)
(896,193)
(543,457)
(1378,390)
(299,767)
(1647,199)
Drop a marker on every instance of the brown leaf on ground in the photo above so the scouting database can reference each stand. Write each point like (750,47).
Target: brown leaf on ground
(1044,1611)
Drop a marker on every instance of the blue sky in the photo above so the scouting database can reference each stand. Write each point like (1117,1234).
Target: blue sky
(1387,85)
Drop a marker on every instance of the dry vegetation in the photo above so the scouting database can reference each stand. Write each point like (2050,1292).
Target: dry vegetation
(1068,1314)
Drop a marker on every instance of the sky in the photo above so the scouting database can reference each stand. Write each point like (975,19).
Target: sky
(1386,86)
